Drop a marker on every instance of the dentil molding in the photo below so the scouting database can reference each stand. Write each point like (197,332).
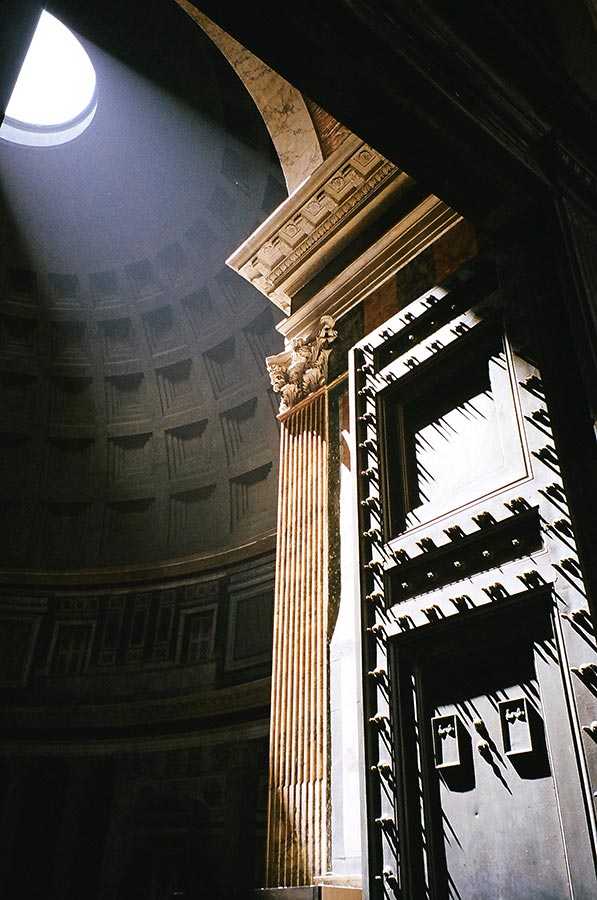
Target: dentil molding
(317,220)
(328,213)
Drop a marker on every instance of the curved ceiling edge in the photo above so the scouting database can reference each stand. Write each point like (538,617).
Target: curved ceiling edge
(281,106)
(202,705)
(175,740)
(141,573)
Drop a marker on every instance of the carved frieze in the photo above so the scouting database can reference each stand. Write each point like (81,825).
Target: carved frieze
(303,368)
(278,258)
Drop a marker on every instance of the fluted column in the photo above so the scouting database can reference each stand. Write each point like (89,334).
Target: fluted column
(298,799)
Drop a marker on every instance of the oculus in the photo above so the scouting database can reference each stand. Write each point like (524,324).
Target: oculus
(55,98)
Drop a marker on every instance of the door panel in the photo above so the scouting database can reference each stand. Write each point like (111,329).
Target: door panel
(488,803)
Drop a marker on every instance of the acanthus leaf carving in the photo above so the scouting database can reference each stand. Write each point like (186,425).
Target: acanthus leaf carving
(302,369)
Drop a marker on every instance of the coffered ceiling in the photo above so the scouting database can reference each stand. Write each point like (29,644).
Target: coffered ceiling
(136,418)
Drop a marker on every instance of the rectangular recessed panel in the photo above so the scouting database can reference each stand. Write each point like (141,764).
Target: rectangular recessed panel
(18,339)
(130,457)
(68,343)
(192,522)
(240,429)
(186,448)
(222,367)
(105,289)
(67,459)
(250,496)
(16,639)
(252,631)
(238,292)
(65,291)
(449,431)
(454,433)
(125,398)
(117,341)
(72,401)
(175,262)
(177,387)
(199,309)
(143,279)
(161,328)
(21,286)
(18,398)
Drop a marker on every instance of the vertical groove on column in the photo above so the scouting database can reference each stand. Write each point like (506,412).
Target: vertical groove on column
(300,863)
(297,824)
(321,612)
(286,775)
(276,749)
(306,863)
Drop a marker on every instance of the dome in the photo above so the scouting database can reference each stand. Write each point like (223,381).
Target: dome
(137,422)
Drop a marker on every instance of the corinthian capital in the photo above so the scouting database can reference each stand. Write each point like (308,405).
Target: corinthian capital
(303,368)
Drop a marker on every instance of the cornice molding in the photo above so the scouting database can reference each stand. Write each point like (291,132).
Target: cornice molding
(158,572)
(195,707)
(318,219)
(329,211)
(226,734)
(399,245)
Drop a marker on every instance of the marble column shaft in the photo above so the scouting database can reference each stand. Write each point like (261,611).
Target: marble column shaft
(298,799)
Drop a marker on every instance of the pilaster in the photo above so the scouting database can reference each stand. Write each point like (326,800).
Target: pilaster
(298,798)
(298,804)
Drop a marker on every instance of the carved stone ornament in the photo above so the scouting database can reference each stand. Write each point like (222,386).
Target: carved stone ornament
(317,219)
(303,369)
